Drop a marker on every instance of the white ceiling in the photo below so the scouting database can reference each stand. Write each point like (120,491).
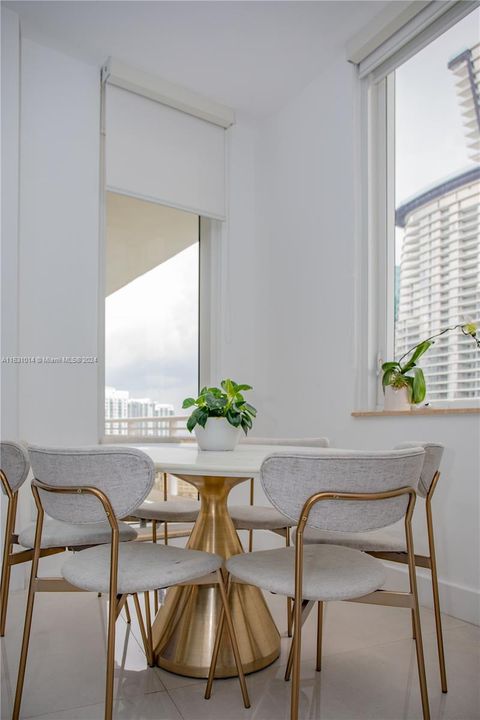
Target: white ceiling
(252,56)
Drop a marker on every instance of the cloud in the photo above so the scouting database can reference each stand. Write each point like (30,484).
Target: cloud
(151,332)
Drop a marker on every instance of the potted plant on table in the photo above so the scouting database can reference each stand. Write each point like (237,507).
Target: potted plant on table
(403,381)
(220,414)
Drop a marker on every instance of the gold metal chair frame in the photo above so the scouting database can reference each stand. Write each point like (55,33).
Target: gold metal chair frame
(429,562)
(11,558)
(379,597)
(116,601)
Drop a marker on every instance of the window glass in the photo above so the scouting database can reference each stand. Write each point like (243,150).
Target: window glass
(437,193)
(151,317)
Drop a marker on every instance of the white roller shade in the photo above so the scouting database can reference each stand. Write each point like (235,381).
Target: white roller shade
(158,153)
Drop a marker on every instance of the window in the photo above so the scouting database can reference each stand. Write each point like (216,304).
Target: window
(151,317)
(424,209)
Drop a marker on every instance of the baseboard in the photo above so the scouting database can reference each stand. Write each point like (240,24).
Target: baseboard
(460,601)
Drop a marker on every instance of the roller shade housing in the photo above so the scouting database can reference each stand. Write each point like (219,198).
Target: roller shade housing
(161,154)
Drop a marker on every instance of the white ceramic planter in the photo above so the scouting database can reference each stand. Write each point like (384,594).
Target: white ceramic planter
(217,434)
(396,399)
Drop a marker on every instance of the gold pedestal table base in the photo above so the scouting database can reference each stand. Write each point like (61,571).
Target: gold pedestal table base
(185,626)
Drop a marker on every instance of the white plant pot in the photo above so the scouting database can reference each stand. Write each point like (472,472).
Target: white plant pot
(396,398)
(217,434)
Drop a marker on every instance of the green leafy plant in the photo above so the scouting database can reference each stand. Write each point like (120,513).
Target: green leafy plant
(407,374)
(225,402)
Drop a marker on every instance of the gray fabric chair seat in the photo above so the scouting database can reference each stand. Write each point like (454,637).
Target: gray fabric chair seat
(330,572)
(141,567)
(256,517)
(373,541)
(61,534)
(168,510)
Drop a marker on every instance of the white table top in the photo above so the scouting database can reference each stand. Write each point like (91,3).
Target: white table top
(244,461)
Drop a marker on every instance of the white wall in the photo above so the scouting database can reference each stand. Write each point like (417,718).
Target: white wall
(10,117)
(305,299)
(58,246)
(50,259)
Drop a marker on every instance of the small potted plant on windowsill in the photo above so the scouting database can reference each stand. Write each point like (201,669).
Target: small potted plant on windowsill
(404,382)
(219,416)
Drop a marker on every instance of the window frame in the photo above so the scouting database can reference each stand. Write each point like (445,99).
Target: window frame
(209,241)
(375,214)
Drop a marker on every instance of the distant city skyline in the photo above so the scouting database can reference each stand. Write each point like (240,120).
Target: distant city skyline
(119,404)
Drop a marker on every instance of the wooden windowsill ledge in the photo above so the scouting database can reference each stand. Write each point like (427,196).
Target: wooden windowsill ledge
(420,411)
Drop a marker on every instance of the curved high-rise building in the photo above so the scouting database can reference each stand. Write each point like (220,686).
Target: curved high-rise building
(440,283)
(466,68)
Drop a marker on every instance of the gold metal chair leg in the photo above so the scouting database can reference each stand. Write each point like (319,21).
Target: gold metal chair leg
(148,620)
(252,501)
(216,649)
(438,626)
(127,612)
(226,616)
(297,647)
(289,617)
(413,625)
(417,624)
(113,600)
(305,613)
(165,497)
(29,612)
(141,625)
(154,540)
(319,635)
(436,597)
(112,616)
(24,651)
(6,567)
(289,600)
(288,669)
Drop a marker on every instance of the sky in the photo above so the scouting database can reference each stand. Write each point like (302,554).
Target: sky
(430,142)
(151,332)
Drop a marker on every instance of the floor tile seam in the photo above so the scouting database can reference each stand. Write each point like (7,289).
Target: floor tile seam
(360,649)
(82,707)
(169,693)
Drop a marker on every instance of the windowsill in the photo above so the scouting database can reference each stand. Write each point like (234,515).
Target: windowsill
(419,411)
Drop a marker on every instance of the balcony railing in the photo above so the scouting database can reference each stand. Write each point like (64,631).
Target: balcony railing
(170,428)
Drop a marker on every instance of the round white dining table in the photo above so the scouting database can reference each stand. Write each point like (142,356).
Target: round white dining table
(184,628)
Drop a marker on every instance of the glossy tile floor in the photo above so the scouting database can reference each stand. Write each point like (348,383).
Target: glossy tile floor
(369,669)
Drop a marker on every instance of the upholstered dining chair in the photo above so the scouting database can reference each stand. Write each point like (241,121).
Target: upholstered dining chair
(389,544)
(166,511)
(56,537)
(173,510)
(259,517)
(338,491)
(83,487)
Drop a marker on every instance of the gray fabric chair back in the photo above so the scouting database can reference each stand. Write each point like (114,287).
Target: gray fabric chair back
(431,464)
(14,463)
(125,475)
(289,480)
(296,442)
